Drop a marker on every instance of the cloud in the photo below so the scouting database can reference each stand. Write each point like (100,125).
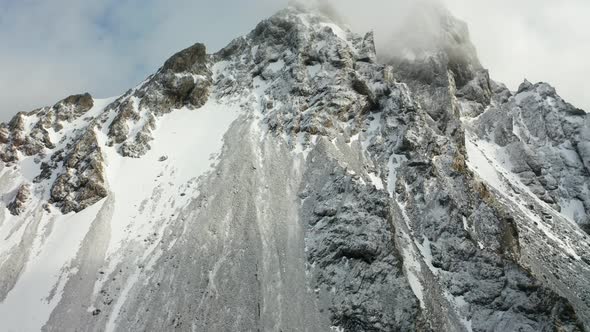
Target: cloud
(51,49)
(541,40)
(399,25)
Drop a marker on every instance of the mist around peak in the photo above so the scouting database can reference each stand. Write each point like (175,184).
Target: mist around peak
(404,29)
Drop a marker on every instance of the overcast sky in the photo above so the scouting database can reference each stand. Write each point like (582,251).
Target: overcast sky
(51,49)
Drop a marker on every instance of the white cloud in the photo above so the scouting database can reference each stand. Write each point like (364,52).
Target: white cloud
(51,49)
(541,40)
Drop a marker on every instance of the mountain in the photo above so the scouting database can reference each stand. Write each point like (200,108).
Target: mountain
(294,181)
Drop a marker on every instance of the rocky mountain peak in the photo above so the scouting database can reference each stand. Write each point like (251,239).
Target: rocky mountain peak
(432,53)
(525,86)
(294,180)
(192,59)
(83,101)
(431,32)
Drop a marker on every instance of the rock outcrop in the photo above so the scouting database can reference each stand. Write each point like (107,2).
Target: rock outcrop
(19,203)
(82,183)
(183,81)
(544,139)
(28,134)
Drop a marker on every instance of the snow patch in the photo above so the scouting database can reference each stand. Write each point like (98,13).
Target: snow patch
(27,306)
(477,161)
(187,138)
(377,182)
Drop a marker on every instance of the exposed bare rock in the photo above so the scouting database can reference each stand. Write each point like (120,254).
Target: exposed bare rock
(350,239)
(82,183)
(544,139)
(72,107)
(18,204)
(140,144)
(28,133)
(367,50)
(119,129)
(192,59)
(183,81)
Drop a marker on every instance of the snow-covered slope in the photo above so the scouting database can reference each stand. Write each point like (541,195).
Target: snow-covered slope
(292,182)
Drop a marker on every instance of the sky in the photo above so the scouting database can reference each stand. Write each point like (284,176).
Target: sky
(52,49)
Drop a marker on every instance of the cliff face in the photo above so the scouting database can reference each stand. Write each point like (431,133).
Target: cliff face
(290,181)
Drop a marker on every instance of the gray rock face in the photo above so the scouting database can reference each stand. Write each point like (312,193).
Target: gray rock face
(348,194)
(439,64)
(119,130)
(469,242)
(545,141)
(184,80)
(476,282)
(351,251)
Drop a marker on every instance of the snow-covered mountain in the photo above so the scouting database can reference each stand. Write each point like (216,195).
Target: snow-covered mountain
(292,181)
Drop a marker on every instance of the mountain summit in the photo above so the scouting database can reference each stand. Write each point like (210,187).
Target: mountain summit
(292,181)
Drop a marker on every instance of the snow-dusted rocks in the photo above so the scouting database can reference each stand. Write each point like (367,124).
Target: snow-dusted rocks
(292,182)
(82,181)
(542,139)
(27,133)
(183,81)
(350,245)
(18,204)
